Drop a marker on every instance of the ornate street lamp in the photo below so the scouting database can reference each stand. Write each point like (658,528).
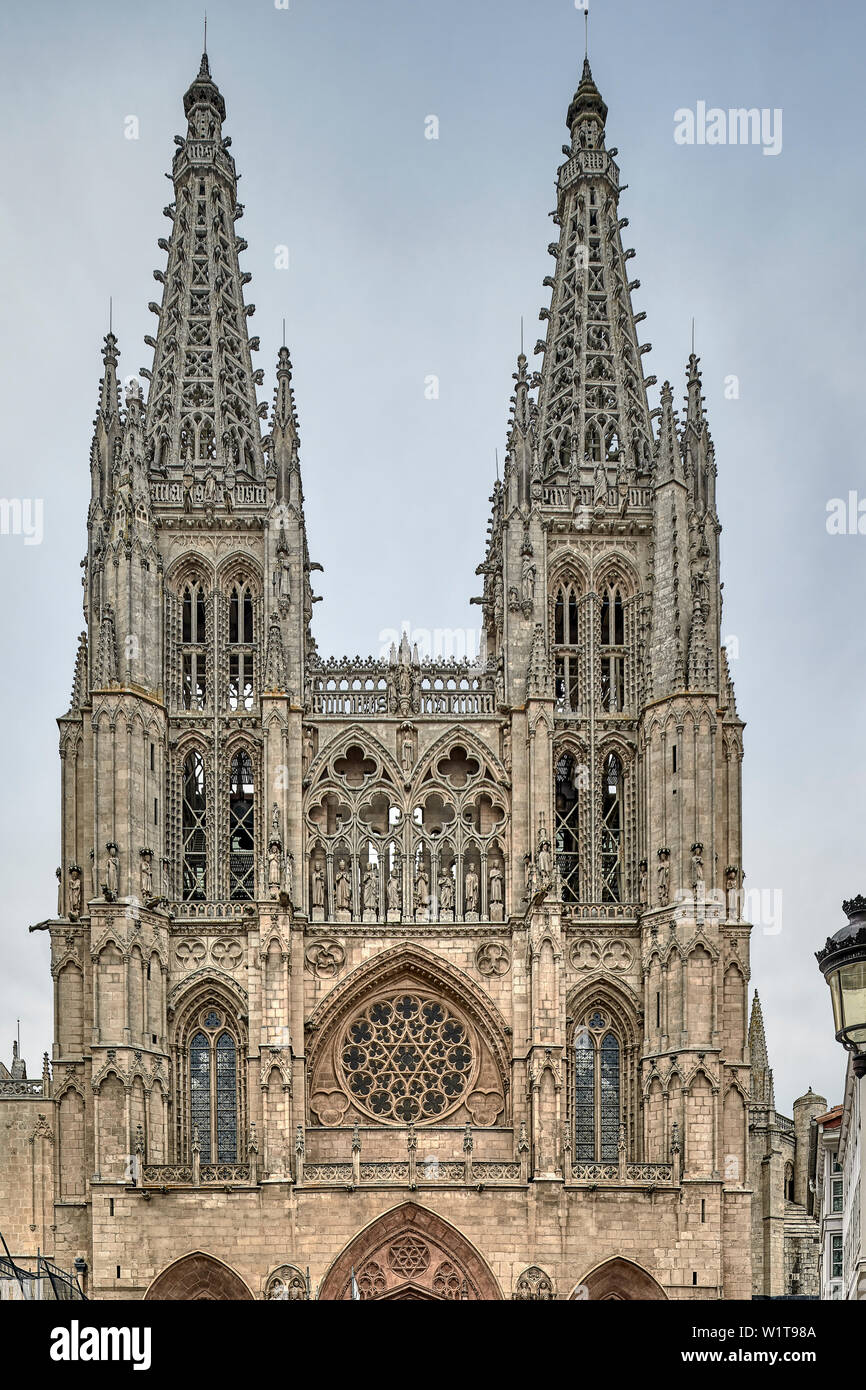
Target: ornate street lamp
(843,965)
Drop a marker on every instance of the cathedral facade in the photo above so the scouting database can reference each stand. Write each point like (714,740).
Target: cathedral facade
(397,978)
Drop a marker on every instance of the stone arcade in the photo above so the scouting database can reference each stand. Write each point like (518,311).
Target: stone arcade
(431,972)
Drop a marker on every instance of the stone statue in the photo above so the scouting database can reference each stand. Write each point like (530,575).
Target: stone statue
(283,580)
(289,876)
(309,748)
(422,887)
(59,874)
(471,889)
(394,891)
(343,888)
(528,585)
(642,883)
(74,890)
(318,886)
(698,868)
(275,868)
(370,888)
(93,872)
(531,874)
(146,877)
(111,871)
(544,863)
(664,877)
(446,890)
(495,885)
(407,751)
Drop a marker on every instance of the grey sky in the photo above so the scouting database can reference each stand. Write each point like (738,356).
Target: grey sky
(411,257)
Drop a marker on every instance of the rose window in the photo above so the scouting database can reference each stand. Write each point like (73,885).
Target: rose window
(409,1058)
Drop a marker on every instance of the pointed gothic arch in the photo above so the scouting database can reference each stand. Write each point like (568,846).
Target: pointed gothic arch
(619,1279)
(410,1252)
(196,1277)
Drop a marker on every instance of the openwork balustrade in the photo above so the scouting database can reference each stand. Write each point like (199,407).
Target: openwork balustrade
(632,1172)
(369,687)
(210,1174)
(425,1171)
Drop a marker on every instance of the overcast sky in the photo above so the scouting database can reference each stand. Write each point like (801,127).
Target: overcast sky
(411,257)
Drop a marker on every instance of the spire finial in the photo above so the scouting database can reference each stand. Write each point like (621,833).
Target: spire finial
(496,451)
(204,50)
(693,337)
(521,335)
(284,332)
(110,313)
(586,33)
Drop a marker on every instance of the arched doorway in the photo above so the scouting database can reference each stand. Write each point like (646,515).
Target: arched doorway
(411,1253)
(198,1276)
(618,1279)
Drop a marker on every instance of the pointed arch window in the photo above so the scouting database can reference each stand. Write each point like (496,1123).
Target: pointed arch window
(567,825)
(566,627)
(613,650)
(597,1090)
(194,829)
(213,1088)
(241,828)
(193,647)
(611,829)
(240,647)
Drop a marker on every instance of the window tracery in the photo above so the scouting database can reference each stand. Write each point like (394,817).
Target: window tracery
(596,1093)
(566,643)
(242,841)
(240,646)
(193,647)
(567,825)
(611,829)
(194,829)
(408,1058)
(213,1083)
(377,853)
(612,649)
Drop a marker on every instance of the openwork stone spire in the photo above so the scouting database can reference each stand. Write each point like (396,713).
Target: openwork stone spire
(202,411)
(762,1076)
(592,403)
(106,662)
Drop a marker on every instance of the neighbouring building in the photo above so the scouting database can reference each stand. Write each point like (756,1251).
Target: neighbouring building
(786,1252)
(826,1198)
(431,971)
(852,1150)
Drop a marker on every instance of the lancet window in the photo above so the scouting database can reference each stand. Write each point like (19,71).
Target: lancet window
(194,828)
(242,841)
(566,642)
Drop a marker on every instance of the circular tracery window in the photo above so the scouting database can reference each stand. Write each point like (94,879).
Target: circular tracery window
(408,1058)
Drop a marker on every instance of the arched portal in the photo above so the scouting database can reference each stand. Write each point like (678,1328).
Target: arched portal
(619,1279)
(198,1276)
(410,1253)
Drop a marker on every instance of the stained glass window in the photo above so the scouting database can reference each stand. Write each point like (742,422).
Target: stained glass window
(199,1088)
(213,1086)
(241,828)
(609,1099)
(226,1100)
(408,1058)
(597,1091)
(584,1097)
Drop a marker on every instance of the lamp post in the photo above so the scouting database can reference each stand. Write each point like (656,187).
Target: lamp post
(842,962)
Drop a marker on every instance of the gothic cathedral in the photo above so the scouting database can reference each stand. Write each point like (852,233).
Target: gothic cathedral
(400,978)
